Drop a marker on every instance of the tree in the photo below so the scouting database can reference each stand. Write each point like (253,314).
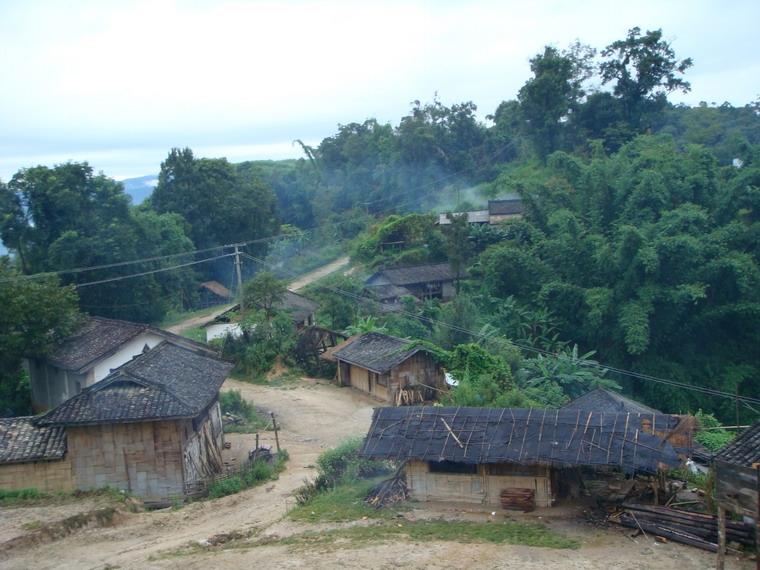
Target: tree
(36,313)
(644,69)
(219,204)
(265,291)
(548,99)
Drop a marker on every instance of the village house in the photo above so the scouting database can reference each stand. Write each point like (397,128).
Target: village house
(498,211)
(99,346)
(428,281)
(737,483)
(152,427)
(389,368)
(513,457)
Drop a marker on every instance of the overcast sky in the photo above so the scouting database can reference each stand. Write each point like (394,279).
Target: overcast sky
(120,83)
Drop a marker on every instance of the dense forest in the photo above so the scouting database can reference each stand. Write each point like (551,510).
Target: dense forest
(640,245)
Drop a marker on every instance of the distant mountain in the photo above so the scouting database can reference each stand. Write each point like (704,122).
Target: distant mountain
(140,188)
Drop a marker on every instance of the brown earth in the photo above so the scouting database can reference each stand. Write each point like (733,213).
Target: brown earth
(316,415)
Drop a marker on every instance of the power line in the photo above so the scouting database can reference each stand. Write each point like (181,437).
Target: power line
(242,243)
(629,373)
(80,285)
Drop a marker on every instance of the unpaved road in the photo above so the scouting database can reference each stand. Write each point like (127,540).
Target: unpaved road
(295,285)
(323,271)
(316,415)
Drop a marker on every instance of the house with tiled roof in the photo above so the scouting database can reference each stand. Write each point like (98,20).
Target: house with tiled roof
(87,356)
(603,400)
(499,210)
(426,281)
(152,427)
(391,369)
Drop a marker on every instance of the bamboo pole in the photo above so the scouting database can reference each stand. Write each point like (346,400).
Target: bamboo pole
(720,561)
(276,435)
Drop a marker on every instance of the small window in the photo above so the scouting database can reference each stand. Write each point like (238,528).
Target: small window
(382,380)
(452,467)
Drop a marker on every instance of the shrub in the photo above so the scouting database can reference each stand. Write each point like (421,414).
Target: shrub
(344,464)
(228,486)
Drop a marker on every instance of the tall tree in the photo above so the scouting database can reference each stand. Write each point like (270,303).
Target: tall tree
(644,69)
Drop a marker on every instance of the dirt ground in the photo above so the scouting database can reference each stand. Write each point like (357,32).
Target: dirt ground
(305,280)
(314,415)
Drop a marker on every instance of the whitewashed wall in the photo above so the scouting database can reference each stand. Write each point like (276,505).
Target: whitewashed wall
(126,352)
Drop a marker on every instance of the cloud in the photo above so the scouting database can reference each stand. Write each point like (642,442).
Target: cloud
(116,82)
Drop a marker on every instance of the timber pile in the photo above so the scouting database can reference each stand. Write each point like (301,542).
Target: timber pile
(516,499)
(390,491)
(695,529)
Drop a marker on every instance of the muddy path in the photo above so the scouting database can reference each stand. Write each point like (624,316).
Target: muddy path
(315,415)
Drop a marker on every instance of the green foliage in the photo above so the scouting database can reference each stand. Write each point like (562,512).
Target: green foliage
(36,313)
(709,433)
(343,463)
(365,325)
(264,339)
(264,292)
(341,503)
(400,240)
(337,310)
(10,495)
(233,402)
(219,204)
(260,471)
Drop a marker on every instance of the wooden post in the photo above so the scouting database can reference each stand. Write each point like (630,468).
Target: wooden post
(276,437)
(721,560)
(257,441)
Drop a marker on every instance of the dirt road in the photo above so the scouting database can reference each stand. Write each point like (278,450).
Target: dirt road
(323,271)
(295,285)
(314,415)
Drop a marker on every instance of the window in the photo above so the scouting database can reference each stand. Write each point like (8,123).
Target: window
(452,467)
(382,380)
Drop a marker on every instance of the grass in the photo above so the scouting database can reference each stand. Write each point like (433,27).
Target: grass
(510,532)
(175,317)
(198,334)
(343,503)
(33,497)
(232,401)
(260,472)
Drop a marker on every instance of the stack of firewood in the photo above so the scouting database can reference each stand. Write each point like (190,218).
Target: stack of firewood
(390,491)
(517,499)
(695,529)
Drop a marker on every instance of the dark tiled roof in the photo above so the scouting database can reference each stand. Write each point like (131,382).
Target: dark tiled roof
(376,352)
(22,441)
(505,207)
(744,450)
(169,381)
(299,306)
(414,274)
(601,400)
(96,338)
(99,337)
(497,435)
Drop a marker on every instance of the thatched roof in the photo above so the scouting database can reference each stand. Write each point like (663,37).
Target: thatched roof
(497,435)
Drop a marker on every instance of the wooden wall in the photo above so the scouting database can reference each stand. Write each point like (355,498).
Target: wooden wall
(45,476)
(482,488)
(202,447)
(142,458)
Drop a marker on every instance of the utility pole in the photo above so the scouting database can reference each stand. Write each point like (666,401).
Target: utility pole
(239,274)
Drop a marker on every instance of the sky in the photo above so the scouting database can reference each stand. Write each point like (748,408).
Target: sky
(120,83)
